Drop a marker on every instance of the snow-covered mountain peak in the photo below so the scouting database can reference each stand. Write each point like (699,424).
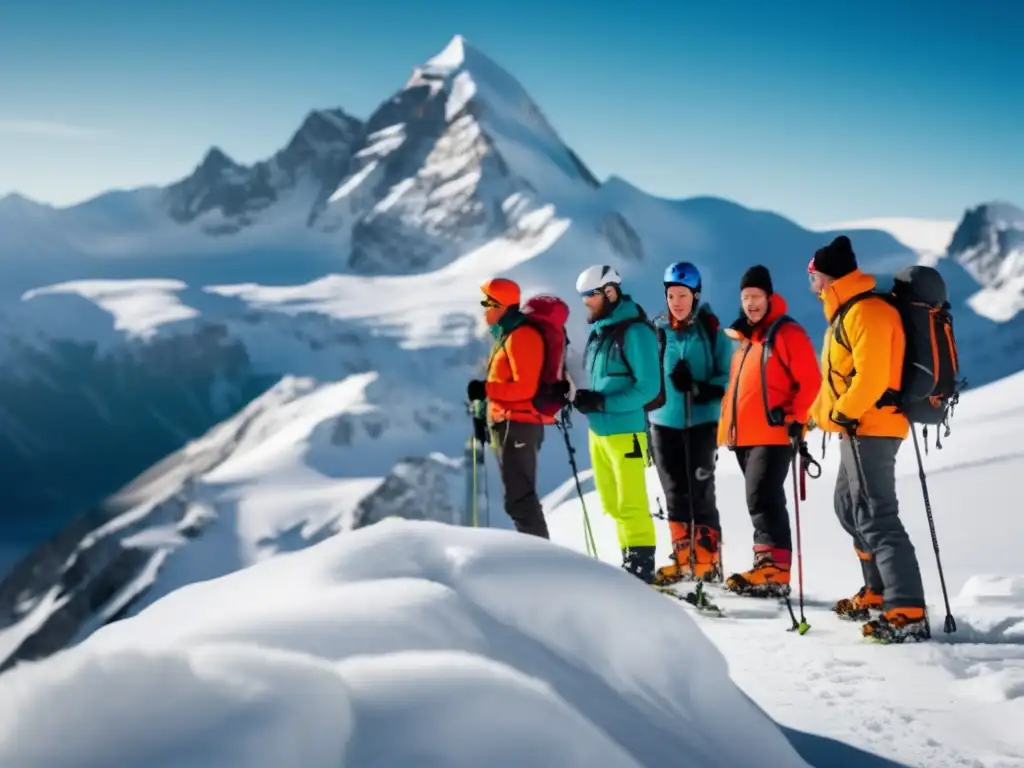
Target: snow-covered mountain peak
(496,98)
(226,196)
(989,244)
(453,56)
(461,156)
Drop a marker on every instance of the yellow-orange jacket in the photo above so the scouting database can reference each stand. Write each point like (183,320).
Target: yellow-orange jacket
(853,382)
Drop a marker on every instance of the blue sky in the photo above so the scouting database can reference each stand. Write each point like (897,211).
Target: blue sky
(822,111)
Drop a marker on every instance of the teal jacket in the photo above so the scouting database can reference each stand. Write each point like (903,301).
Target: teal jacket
(708,360)
(624,397)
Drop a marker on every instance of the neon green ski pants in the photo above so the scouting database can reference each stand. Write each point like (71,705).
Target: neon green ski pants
(620,463)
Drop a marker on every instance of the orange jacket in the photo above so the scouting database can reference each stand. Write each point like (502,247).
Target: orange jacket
(791,377)
(853,382)
(513,375)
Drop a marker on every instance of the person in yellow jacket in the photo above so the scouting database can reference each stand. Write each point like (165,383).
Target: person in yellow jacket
(861,362)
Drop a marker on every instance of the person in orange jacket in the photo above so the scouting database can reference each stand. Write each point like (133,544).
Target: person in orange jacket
(862,362)
(773,381)
(516,429)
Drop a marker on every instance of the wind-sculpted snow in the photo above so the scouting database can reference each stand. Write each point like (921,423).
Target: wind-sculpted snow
(401,644)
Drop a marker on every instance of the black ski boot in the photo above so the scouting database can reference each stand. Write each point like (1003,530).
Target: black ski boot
(639,561)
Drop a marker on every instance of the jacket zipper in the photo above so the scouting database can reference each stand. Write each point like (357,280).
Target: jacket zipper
(736,395)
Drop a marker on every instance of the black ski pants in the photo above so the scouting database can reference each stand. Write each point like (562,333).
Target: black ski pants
(695,449)
(766,468)
(516,445)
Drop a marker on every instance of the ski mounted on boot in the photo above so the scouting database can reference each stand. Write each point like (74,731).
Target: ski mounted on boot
(698,599)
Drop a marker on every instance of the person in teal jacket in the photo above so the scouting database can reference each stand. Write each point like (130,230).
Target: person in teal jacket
(684,431)
(624,369)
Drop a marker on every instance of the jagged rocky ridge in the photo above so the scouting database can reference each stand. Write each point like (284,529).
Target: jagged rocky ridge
(989,243)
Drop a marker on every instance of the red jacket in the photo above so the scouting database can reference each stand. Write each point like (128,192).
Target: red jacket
(791,380)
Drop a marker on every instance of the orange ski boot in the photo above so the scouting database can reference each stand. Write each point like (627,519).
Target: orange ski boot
(860,606)
(680,569)
(768,578)
(898,625)
(707,565)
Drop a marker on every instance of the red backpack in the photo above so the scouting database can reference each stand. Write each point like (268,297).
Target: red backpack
(549,314)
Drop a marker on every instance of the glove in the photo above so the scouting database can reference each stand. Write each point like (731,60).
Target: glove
(588,401)
(703,392)
(560,389)
(476,390)
(795,430)
(480,431)
(848,424)
(682,377)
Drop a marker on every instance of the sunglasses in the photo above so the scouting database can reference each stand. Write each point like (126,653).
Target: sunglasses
(588,294)
(489,304)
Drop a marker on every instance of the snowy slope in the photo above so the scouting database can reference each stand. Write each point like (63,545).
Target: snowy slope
(300,463)
(404,644)
(344,612)
(958,701)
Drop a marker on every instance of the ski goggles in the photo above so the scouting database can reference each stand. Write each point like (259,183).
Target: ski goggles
(489,303)
(594,292)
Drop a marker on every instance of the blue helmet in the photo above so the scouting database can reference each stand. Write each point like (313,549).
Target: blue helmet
(683,273)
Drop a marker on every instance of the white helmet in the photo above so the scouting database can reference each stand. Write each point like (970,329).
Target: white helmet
(596,277)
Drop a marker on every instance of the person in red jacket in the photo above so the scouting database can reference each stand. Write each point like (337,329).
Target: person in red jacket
(773,381)
(516,429)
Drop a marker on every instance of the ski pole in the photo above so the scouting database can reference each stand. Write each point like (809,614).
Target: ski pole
(950,623)
(487,493)
(689,479)
(476,495)
(588,534)
(802,626)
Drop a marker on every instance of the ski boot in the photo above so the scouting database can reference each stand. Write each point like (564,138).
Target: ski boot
(860,606)
(639,561)
(768,578)
(707,564)
(680,569)
(898,625)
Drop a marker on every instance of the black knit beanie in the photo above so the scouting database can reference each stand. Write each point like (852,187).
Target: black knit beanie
(757,276)
(836,259)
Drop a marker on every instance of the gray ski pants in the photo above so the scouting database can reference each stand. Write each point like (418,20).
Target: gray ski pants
(887,556)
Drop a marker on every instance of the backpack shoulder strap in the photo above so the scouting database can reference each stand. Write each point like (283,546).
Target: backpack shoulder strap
(769,342)
(618,336)
(775,417)
(711,326)
(838,329)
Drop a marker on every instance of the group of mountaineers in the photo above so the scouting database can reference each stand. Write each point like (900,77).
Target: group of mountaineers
(691,386)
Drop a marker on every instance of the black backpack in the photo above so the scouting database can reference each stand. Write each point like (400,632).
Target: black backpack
(929,386)
(617,335)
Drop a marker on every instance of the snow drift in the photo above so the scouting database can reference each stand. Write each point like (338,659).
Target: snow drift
(401,644)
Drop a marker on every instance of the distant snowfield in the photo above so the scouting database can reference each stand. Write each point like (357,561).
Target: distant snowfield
(958,701)
(928,237)
(404,644)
